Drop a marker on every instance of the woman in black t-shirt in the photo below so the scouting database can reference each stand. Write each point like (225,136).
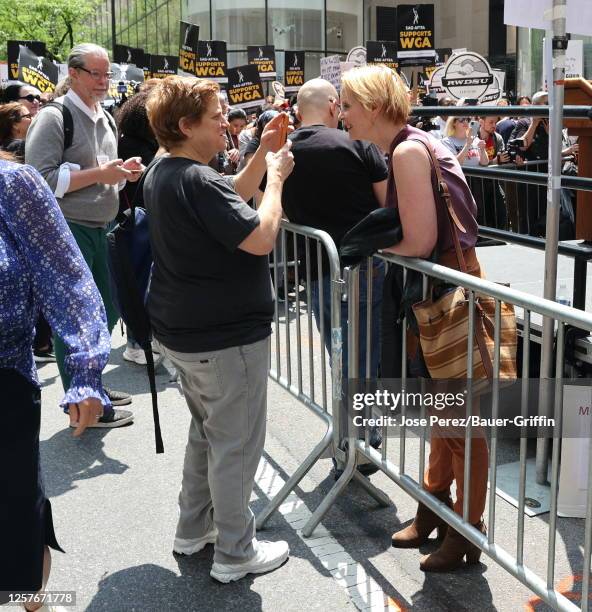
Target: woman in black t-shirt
(211,306)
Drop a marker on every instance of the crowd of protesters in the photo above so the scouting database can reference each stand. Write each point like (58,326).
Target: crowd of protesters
(218,183)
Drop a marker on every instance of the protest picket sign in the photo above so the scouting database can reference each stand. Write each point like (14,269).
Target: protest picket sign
(162,66)
(124,76)
(574,60)
(357,56)
(382,52)
(188,43)
(415,24)
(331,70)
(36,71)
(434,85)
(500,75)
(122,54)
(469,75)
(343,68)
(147,57)
(279,91)
(129,55)
(263,57)
(244,89)
(293,70)
(12,54)
(211,60)
(442,55)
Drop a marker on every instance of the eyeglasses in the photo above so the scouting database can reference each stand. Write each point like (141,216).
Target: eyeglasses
(96,75)
(25,117)
(31,98)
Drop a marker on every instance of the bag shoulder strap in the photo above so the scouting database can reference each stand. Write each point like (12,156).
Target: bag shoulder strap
(140,187)
(111,122)
(443,195)
(68,122)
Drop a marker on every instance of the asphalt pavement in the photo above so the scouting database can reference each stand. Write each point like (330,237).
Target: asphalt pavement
(114,505)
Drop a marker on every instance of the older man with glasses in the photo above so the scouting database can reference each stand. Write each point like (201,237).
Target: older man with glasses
(85,178)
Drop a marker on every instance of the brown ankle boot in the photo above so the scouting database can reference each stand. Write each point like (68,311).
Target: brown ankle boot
(424,523)
(452,551)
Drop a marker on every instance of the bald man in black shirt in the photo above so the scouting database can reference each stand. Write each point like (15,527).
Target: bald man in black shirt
(336,182)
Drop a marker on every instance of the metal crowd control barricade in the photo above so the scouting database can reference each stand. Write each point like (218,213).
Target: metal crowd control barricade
(301,248)
(303,251)
(543,586)
(579,251)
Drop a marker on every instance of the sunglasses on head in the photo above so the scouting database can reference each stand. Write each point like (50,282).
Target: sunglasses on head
(31,98)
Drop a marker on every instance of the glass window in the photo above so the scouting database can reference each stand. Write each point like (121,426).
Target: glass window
(295,26)
(197,12)
(173,25)
(237,58)
(162,21)
(530,59)
(344,25)
(239,25)
(312,65)
(152,28)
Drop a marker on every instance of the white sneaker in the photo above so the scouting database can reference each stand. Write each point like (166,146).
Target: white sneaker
(135,355)
(268,556)
(190,547)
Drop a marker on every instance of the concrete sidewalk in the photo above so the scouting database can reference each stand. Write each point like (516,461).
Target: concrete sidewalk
(114,504)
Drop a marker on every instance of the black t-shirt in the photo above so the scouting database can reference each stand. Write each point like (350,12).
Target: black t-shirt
(330,187)
(205,293)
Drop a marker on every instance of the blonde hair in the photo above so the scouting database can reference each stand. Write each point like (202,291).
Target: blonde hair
(172,99)
(450,126)
(378,87)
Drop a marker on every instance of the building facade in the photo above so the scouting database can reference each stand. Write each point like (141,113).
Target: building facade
(325,27)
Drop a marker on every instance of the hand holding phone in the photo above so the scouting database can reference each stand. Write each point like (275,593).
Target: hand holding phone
(283,129)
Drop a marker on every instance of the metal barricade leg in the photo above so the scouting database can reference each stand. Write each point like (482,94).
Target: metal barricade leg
(349,471)
(295,479)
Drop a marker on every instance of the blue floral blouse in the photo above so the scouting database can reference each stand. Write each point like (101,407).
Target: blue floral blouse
(41,267)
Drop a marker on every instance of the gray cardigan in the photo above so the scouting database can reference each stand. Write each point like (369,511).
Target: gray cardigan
(92,206)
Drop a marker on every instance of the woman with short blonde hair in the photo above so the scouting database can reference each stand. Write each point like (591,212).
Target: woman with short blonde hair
(374,107)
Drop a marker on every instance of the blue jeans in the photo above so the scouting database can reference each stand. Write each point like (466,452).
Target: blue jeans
(377,284)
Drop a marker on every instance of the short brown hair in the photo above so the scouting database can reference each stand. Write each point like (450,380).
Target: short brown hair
(377,86)
(10,115)
(172,99)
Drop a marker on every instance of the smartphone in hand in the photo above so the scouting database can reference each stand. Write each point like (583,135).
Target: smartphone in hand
(283,129)
(474,125)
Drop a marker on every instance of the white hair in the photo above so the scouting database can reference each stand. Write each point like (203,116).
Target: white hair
(81,51)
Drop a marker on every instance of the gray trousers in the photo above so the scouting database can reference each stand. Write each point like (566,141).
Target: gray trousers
(226,392)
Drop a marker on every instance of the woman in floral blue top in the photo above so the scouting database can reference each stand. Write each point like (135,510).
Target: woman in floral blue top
(41,267)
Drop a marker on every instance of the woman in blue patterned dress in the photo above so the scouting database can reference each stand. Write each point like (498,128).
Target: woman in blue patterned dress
(41,268)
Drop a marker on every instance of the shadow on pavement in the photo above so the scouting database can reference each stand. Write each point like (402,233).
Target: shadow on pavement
(151,587)
(65,460)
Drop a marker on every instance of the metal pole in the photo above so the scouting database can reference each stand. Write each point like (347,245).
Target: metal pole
(113,28)
(559,45)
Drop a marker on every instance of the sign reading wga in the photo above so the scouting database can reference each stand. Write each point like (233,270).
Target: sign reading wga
(415,36)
